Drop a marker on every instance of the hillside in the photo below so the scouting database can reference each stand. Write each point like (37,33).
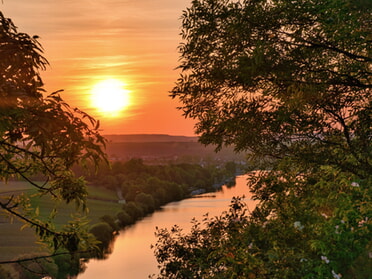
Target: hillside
(149,138)
(165,147)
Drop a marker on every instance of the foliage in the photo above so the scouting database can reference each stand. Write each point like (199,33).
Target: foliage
(146,201)
(151,186)
(61,265)
(41,135)
(68,266)
(311,231)
(110,221)
(8,272)
(104,233)
(37,268)
(134,210)
(273,76)
(124,218)
(289,82)
(208,251)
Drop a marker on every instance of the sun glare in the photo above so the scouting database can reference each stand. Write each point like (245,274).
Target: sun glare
(110,97)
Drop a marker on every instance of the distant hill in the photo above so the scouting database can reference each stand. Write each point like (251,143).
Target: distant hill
(158,146)
(149,138)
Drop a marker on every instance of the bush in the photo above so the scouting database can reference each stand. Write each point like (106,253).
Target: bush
(124,218)
(146,201)
(160,196)
(135,211)
(174,191)
(109,220)
(103,233)
(68,267)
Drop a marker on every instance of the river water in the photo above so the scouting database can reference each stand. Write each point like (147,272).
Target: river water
(132,256)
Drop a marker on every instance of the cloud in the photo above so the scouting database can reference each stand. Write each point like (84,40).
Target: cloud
(87,40)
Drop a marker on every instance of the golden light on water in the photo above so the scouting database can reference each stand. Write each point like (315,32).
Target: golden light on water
(110,97)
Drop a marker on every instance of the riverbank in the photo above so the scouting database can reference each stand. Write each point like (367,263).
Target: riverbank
(144,189)
(15,242)
(132,255)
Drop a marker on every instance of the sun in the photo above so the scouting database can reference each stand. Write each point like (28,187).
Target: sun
(110,97)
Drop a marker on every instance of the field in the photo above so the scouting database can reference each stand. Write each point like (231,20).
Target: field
(14,242)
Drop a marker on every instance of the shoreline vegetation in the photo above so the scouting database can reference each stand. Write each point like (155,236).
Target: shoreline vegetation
(118,196)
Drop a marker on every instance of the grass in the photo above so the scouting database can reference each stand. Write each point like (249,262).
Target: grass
(14,242)
(100,202)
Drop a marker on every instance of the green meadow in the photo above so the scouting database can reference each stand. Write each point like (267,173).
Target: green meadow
(15,242)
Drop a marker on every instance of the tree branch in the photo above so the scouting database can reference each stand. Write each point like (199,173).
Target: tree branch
(44,257)
(16,170)
(26,151)
(9,209)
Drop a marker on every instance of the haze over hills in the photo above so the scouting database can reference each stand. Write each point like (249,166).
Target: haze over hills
(149,138)
(152,147)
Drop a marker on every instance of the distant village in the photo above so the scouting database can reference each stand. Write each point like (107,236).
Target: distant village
(165,149)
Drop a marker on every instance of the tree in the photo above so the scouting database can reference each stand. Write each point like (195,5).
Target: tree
(105,233)
(289,82)
(146,201)
(41,136)
(269,76)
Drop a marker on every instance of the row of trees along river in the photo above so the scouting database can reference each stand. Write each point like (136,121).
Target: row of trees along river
(132,256)
(142,189)
(137,190)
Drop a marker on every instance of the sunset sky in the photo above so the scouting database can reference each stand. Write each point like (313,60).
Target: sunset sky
(133,42)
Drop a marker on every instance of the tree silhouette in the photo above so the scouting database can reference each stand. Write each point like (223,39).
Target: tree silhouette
(290,82)
(41,136)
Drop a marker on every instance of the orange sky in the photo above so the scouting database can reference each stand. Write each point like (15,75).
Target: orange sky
(134,41)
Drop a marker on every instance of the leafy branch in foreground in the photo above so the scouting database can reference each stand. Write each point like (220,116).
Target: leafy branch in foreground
(41,137)
(289,82)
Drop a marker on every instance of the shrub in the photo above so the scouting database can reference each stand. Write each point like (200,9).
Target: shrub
(109,220)
(124,218)
(103,233)
(133,210)
(146,201)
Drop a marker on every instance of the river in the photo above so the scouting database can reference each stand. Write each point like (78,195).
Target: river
(132,256)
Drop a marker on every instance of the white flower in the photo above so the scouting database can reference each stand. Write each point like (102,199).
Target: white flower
(335,275)
(298,225)
(355,184)
(325,259)
(324,215)
(336,231)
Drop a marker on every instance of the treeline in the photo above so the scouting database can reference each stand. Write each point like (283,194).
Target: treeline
(144,188)
(141,189)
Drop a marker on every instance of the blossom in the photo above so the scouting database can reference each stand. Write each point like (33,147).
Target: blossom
(325,259)
(298,225)
(336,229)
(324,215)
(355,184)
(335,275)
